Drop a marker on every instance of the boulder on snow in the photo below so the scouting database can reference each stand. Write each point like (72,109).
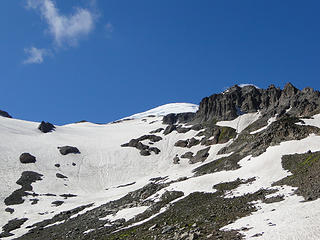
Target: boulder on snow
(176,160)
(27,158)
(46,127)
(4,114)
(68,149)
(59,175)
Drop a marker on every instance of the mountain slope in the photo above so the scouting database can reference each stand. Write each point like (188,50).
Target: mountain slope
(224,172)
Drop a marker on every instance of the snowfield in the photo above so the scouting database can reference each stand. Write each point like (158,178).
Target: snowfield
(166,109)
(95,174)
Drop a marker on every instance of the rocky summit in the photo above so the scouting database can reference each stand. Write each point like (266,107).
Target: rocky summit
(243,164)
(238,100)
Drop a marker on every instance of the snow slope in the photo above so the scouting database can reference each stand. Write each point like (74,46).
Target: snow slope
(241,122)
(166,109)
(104,165)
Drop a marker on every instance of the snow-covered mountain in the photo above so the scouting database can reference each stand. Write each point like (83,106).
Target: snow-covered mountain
(242,164)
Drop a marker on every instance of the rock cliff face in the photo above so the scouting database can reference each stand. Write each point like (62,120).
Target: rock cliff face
(237,100)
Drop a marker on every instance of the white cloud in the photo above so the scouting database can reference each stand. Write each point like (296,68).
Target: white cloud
(35,55)
(64,29)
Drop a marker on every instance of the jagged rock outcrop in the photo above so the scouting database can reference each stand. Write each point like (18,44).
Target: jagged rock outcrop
(237,100)
(174,118)
(285,129)
(201,156)
(4,114)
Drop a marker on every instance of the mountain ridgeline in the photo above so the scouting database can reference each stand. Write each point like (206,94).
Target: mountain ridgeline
(236,100)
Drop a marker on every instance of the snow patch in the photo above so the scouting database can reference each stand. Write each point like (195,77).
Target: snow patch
(127,213)
(248,84)
(241,122)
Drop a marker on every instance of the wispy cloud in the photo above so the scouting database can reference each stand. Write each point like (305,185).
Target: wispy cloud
(65,29)
(35,55)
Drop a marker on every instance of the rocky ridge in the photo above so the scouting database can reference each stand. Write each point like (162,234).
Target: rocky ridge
(273,100)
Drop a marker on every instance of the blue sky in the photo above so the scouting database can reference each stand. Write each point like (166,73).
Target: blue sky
(65,61)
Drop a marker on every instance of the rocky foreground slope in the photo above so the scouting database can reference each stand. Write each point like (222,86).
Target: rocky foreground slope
(243,166)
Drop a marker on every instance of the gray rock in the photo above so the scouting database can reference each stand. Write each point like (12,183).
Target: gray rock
(187,155)
(152,138)
(169,129)
(181,143)
(145,152)
(176,160)
(59,175)
(27,158)
(154,149)
(236,101)
(9,210)
(68,149)
(181,129)
(193,142)
(57,203)
(174,118)
(201,156)
(46,127)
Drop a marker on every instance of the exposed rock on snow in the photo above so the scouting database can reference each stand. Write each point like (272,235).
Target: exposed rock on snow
(68,149)
(176,160)
(59,175)
(46,127)
(25,181)
(27,158)
(12,225)
(169,129)
(174,118)
(57,203)
(200,156)
(187,143)
(187,155)
(145,150)
(4,114)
